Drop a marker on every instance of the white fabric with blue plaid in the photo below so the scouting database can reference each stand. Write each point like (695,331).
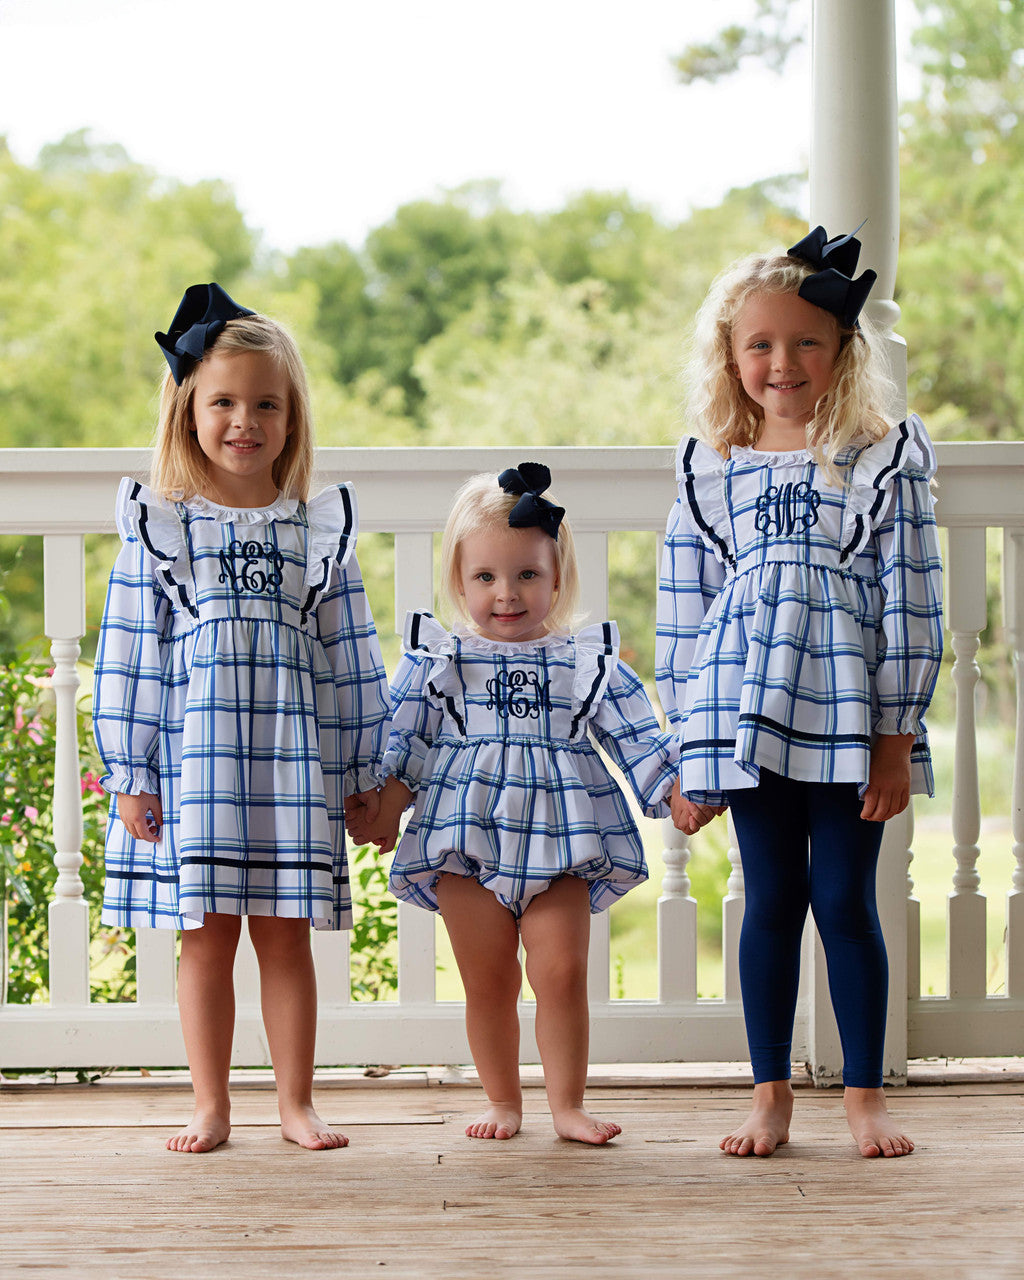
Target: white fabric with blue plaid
(797,618)
(238,677)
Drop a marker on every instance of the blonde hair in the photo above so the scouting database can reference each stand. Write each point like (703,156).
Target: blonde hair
(481,504)
(854,410)
(179,464)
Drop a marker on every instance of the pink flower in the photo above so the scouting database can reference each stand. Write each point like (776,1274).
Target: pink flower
(31,812)
(91,783)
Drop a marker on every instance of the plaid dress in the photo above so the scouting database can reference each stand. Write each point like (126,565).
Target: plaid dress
(797,619)
(493,738)
(238,677)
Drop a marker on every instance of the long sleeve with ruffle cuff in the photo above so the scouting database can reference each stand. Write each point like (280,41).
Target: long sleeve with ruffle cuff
(415,721)
(128,673)
(347,632)
(909,574)
(610,697)
(691,577)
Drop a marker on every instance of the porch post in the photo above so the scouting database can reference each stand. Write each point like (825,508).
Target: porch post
(854,175)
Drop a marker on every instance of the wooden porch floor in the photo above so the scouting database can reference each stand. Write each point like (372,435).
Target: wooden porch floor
(87,1189)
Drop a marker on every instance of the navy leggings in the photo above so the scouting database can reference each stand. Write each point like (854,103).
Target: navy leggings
(804,844)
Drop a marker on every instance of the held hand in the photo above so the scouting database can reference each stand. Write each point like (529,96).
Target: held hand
(378,821)
(888,790)
(142,816)
(361,810)
(688,816)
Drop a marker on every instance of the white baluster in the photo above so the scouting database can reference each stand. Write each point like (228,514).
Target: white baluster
(913,917)
(64,595)
(155,966)
(599,959)
(417,955)
(592,558)
(677,921)
(732,919)
(1013,610)
(966,617)
(414,575)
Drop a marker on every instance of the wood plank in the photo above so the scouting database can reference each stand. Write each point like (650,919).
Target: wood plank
(412,1197)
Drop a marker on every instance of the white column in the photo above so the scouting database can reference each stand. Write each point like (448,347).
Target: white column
(854,175)
(64,604)
(854,169)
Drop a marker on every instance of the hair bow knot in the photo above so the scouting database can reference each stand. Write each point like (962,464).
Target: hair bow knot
(529,480)
(832,287)
(203,312)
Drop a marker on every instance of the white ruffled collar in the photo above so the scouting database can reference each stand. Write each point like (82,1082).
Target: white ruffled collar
(485,645)
(281,508)
(763,457)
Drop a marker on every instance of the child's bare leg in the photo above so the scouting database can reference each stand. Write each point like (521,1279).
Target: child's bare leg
(767,1126)
(206,1006)
(876,1133)
(555,930)
(485,940)
(288,1001)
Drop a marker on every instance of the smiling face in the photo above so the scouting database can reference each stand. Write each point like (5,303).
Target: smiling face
(508,581)
(242,420)
(783,352)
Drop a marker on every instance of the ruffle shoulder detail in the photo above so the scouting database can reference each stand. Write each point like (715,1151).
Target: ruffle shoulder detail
(905,451)
(597,655)
(146,518)
(423,637)
(333,521)
(700,475)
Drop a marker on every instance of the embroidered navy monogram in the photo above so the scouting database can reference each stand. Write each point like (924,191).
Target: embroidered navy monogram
(255,567)
(520,694)
(785,508)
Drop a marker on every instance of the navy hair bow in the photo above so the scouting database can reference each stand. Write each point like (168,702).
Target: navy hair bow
(201,315)
(834,262)
(530,479)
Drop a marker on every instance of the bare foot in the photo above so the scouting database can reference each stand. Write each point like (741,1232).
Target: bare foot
(767,1126)
(497,1121)
(206,1130)
(580,1126)
(304,1126)
(876,1133)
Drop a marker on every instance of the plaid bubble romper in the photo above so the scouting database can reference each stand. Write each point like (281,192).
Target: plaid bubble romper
(797,619)
(494,739)
(238,677)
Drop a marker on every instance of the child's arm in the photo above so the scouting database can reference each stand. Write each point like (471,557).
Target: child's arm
(910,643)
(127,688)
(690,580)
(349,637)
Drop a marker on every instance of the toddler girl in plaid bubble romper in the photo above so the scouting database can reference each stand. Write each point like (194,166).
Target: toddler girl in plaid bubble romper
(518,831)
(799,637)
(240,700)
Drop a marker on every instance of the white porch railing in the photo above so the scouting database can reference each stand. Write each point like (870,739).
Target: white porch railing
(65,494)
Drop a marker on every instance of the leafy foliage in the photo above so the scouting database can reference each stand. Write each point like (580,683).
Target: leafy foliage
(27,743)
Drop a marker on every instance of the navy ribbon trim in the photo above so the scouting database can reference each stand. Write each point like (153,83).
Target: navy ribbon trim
(691,498)
(602,666)
(175,588)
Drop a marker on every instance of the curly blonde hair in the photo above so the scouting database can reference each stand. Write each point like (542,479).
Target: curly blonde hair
(481,504)
(179,464)
(856,409)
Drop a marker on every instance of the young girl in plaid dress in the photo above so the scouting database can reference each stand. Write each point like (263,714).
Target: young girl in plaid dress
(799,637)
(518,831)
(240,698)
